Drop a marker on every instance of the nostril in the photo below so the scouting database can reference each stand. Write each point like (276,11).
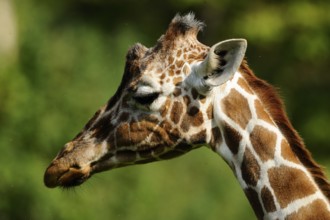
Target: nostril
(76,166)
(93,163)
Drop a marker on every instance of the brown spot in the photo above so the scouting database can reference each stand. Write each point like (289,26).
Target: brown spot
(186,100)
(149,118)
(237,108)
(165,133)
(178,72)
(209,111)
(121,135)
(316,210)
(287,153)
(185,123)
(137,134)
(202,56)
(178,53)
(171,72)
(139,131)
(164,109)
(166,125)
(232,138)
(170,60)
(179,64)
(177,92)
(162,76)
(263,142)
(192,56)
(176,112)
(173,135)
(268,200)
(216,137)
(158,136)
(159,70)
(253,198)
(185,69)
(193,118)
(197,119)
(192,111)
(289,184)
(198,138)
(261,113)
(250,168)
(177,80)
(243,84)
(194,93)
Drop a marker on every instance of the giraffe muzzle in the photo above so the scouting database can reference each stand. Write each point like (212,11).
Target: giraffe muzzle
(65,176)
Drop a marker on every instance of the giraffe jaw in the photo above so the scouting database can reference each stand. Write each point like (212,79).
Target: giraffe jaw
(63,173)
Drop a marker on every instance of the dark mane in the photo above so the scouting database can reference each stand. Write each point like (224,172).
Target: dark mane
(181,26)
(275,107)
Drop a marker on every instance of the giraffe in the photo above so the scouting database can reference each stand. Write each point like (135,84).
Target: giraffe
(180,95)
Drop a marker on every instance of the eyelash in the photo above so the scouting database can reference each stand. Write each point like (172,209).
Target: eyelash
(146,99)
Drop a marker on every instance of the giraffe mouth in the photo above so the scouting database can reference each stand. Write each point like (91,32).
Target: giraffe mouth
(58,175)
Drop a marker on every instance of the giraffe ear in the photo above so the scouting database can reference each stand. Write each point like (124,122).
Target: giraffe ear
(221,63)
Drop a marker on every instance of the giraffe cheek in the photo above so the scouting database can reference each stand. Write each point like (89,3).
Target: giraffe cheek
(122,135)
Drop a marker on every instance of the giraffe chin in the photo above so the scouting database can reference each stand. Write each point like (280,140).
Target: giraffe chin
(57,175)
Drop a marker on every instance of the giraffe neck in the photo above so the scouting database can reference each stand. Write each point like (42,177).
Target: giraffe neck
(274,180)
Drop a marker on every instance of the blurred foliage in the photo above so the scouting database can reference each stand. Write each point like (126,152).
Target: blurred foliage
(69,62)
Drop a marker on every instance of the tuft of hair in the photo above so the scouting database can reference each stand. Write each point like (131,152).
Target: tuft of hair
(181,25)
(275,107)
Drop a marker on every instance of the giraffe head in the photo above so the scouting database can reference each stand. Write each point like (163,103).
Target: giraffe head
(162,108)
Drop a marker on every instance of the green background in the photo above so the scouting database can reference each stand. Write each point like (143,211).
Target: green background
(66,59)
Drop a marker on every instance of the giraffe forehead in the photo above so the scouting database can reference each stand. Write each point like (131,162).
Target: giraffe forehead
(168,62)
(164,72)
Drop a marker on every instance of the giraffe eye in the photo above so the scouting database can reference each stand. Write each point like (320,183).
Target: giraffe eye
(146,99)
